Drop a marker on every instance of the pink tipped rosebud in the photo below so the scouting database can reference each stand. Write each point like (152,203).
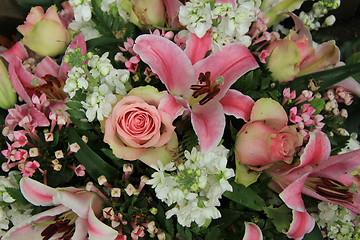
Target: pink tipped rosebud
(130,189)
(150,12)
(116,192)
(34,152)
(59,154)
(49,137)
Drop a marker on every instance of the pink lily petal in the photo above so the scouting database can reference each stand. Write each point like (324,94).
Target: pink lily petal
(168,61)
(252,232)
(79,202)
(18,49)
(16,70)
(317,150)
(99,231)
(351,85)
(39,117)
(47,66)
(37,193)
(169,105)
(291,195)
(232,62)
(172,10)
(196,48)
(25,228)
(81,226)
(237,104)
(209,122)
(78,41)
(302,223)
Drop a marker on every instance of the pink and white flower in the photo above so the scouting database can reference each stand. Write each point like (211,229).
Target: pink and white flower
(181,71)
(74,214)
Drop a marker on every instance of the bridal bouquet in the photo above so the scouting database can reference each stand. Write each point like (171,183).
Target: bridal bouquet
(169,119)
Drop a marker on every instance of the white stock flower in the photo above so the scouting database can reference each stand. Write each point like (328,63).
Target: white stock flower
(196,186)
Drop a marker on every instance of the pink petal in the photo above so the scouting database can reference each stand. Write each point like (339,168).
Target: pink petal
(47,66)
(79,203)
(35,15)
(252,232)
(18,49)
(291,195)
(81,229)
(168,61)
(237,104)
(169,105)
(317,150)
(20,78)
(98,230)
(302,223)
(351,85)
(172,10)
(39,117)
(232,62)
(51,14)
(196,48)
(25,229)
(36,192)
(209,123)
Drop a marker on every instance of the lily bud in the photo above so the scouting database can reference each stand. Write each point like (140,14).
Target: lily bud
(44,33)
(7,93)
(150,12)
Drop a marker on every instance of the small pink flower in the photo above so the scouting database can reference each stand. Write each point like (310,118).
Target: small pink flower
(294,118)
(132,64)
(29,168)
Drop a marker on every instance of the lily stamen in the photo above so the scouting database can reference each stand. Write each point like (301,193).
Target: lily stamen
(210,90)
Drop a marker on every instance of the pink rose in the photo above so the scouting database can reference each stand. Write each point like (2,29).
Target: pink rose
(140,128)
(267,138)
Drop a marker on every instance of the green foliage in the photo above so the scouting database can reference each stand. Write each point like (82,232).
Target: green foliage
(245,196)
(348,48)
(323,79)
(318,104)
(281,217)
(28,4)
(106,23)
(189,140)
(93,163)
(15,193)
(355,58)
(315,234)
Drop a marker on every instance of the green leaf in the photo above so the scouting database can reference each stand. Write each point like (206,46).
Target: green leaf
(28,4)
(214,233)
(101,41)
(93,163)
(167,223)
(318,104)
(324,79)
(315,234)
(16,194)
(281,217)
(81,124)
(245,196)
(348,48)
(76,114)
(74,105)
(355,58)
(184,232)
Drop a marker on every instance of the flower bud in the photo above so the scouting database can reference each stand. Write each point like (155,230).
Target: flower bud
(150,12)
(7,93)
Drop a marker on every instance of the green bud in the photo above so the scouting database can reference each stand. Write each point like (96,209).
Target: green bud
(194,187)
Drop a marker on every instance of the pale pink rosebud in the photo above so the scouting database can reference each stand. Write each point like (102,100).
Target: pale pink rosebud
(85,138)
(108,212)
(80,170)
(49,137)
(116,192)
(102,180)
(130,189)
(336,111)
(137,232)
(150,12)
(59,154)
(161,236)
(128,167)
(74,147)
(34,152)
(344,113)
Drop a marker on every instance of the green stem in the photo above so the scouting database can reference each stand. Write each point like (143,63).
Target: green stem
(88,74)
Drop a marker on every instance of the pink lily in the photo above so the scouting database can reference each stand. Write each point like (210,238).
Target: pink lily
(302,223)
(75,214)
(252,232)
(181,71)
(318,175)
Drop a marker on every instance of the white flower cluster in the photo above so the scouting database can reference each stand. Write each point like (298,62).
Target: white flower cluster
(82,14)
(101,85)
(195,186)
(352,145)
(319,10)
(336,219)
(227,24)
(10,210)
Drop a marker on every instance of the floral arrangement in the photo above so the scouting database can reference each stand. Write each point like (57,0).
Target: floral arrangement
(169,119)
